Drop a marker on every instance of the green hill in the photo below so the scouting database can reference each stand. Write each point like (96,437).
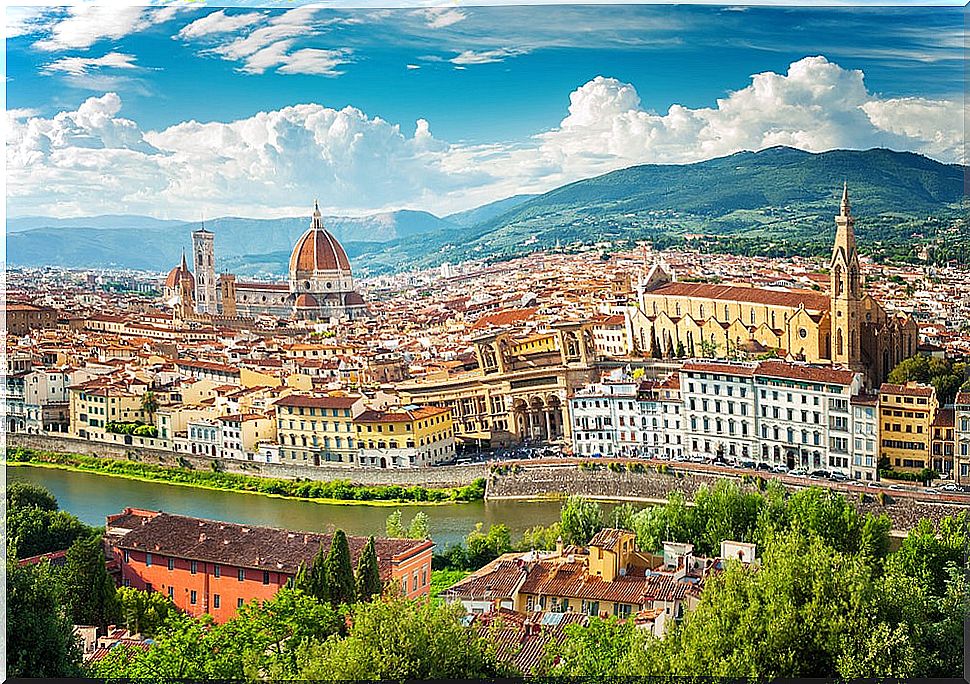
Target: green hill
(779,195)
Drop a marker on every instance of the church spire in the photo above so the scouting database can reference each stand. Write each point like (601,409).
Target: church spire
(845,200)
(316,223)
(184,266)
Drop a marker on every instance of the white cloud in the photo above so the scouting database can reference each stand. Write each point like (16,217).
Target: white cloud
(84,25)
(24,21)
(485,56)
(217,23)
(264,42)
(92,160)
(78,66)
(440,17)
(314,61)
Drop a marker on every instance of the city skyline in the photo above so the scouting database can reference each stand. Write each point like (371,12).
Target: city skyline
(377,110)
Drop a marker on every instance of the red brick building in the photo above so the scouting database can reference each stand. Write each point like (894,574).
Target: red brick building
(208,566)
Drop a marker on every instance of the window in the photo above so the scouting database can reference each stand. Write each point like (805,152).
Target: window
(126,556)
(241,574)
(171,563)
(265,577)
(217,571)
(239,603)
(193,597)
(215,600)
(148,560)
(171,593)
(194,568)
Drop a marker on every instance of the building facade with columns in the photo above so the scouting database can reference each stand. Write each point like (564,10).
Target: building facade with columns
(520,388)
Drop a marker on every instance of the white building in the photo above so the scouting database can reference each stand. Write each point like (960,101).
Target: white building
(719,409)
(961,424)
(865,436)
(606,418)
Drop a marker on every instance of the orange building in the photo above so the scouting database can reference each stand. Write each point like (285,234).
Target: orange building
(209,566)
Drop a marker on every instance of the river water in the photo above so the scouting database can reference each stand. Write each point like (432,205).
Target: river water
(91,497)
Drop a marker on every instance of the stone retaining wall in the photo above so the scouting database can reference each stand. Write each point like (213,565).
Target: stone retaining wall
(436,477)
(525,481)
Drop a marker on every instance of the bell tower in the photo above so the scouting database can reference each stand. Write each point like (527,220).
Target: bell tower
(846,291)
(203,256)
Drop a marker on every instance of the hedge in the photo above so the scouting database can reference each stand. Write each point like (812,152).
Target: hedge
(342,490)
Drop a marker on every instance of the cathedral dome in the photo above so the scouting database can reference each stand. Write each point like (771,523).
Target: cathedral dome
(178,274)
(317,250)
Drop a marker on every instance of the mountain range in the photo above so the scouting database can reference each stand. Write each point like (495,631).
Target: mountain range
(746,201)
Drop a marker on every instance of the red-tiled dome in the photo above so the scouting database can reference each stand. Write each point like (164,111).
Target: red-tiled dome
(318,250)
(306,301)
(179,273)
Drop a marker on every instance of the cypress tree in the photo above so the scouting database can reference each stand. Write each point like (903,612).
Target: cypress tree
(311,580)
(368,581)
(338,575)
(89,592)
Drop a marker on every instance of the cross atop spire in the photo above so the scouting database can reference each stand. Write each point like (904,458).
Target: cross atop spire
(845,199)
(184,266)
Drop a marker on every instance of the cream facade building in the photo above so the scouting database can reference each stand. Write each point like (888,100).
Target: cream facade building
(844,326)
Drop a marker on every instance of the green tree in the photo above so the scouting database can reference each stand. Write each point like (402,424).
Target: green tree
(482,546)
(368,580)
(398,639)
(394,527)
(40,637)
(419,527)
(149,404)
(89,592)
(596,652)
(143,612)
(338,574)
(580,519)
(22,495)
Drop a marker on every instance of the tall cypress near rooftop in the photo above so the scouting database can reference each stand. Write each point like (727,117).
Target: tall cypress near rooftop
(338,573)
(368,581)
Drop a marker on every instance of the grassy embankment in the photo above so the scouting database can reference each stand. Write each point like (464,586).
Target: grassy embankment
(332,491)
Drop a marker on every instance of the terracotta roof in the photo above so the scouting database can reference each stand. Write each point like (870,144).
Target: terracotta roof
(306,301)
(176,275)
(318,250)
(796,371)
(250,546)
(944,418)
(504,317)
(963,398)
(810,299)
(907,390)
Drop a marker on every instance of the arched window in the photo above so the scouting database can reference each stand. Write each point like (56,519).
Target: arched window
(839,343)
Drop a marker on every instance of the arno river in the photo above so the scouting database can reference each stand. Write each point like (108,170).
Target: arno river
(91,497)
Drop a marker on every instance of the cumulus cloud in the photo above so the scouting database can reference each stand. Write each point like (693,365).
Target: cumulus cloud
(84,25)
(485,56)
(93,160)
(77,66)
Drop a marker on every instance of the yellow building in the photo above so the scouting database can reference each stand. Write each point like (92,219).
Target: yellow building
(317,430)
(843,326)
(405,437)
(97,402)
(906,415)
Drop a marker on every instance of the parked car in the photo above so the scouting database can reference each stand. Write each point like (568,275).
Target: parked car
(950,487)
(780,469)
(820,474)
(897,487)
(798,472)
(748,464)
(875,485)
(764,466)
(839,476)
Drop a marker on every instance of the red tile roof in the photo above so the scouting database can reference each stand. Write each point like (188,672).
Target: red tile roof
(298,400)
(810,299)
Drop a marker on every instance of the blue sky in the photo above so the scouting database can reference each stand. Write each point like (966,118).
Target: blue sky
(244,110)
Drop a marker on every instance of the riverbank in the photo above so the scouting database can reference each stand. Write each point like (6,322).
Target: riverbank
(329,492)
